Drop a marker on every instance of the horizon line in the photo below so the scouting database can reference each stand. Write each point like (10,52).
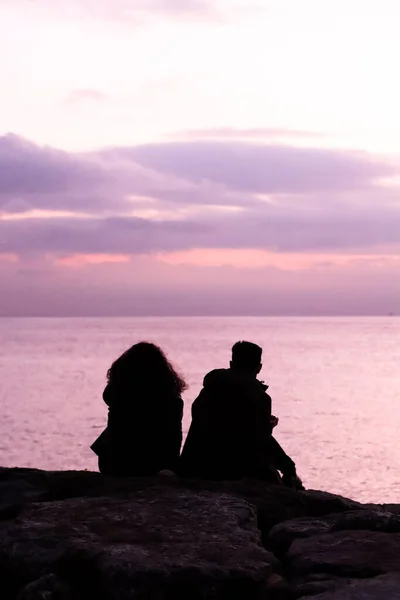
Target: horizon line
(203,316)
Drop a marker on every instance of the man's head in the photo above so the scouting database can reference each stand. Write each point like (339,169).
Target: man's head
(246,358)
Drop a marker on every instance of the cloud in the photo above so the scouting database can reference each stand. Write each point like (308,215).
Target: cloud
(264,168)
(29,169)
(214,173)
(40,177)
(81,260)
(86,95)
(127,235)
(176,197)
(274,229)
(263,133)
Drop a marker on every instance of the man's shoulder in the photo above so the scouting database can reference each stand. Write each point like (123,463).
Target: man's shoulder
(229,379)
(216,377)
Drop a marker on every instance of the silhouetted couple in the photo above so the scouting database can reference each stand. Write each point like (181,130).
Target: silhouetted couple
(230,436)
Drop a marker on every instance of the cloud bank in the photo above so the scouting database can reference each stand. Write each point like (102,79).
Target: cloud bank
(204,195)
(156,200)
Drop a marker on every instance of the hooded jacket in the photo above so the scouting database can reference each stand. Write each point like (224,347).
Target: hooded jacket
(230,434)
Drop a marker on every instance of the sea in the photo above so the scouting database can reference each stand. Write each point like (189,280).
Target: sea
(334,382)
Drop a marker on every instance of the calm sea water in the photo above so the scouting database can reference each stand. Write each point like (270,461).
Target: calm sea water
(334,382)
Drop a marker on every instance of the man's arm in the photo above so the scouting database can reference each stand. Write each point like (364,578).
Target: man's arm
(280,459)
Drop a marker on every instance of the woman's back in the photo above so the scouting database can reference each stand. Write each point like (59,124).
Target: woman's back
(144,430)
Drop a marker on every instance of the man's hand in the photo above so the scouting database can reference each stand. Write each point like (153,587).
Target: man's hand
(274,421)
(293,482)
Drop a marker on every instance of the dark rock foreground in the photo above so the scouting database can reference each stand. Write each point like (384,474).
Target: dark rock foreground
(80,536)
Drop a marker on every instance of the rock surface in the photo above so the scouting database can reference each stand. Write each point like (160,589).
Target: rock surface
(78,535)
(349,553)
(386,587)
(164,541)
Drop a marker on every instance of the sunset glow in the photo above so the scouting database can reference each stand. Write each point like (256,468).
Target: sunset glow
(199,149)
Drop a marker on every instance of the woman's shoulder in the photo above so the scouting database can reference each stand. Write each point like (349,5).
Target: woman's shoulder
(173,398)
(172,402)
(179,402)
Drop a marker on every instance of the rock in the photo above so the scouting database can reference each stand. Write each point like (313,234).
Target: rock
(18,490)
(78,535)
(277,588)
(59,485)
(173,545)
(47,587)
(323,503)
(386,587)
(15,493)
(274,503)
(282,535)
(392,508)
(369,520)
(345,553)
(316,583)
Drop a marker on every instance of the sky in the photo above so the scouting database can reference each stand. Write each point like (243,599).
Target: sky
(199,157)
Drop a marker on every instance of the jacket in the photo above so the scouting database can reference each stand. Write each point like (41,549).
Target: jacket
(143,433)
(230,434)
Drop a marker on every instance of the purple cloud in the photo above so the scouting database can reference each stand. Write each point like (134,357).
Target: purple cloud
(199,195)
(39,177)
(127,235)
(270,229)
(261,168)
(26,168)
(214,173)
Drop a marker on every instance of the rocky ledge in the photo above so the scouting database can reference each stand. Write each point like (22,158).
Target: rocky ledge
(77,535)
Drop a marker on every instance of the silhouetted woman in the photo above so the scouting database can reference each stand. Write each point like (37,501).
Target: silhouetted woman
(144,430)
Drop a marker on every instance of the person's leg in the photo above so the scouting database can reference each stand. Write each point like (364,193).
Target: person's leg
(104,466)
(284,464)
(272,475)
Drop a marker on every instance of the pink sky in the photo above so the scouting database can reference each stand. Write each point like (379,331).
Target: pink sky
(199,157)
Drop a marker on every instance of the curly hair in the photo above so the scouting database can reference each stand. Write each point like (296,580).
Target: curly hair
(146,363)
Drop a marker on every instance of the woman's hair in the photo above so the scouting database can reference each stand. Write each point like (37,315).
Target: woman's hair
(145,364)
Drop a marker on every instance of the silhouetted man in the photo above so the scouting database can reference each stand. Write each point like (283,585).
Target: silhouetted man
(230,435)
